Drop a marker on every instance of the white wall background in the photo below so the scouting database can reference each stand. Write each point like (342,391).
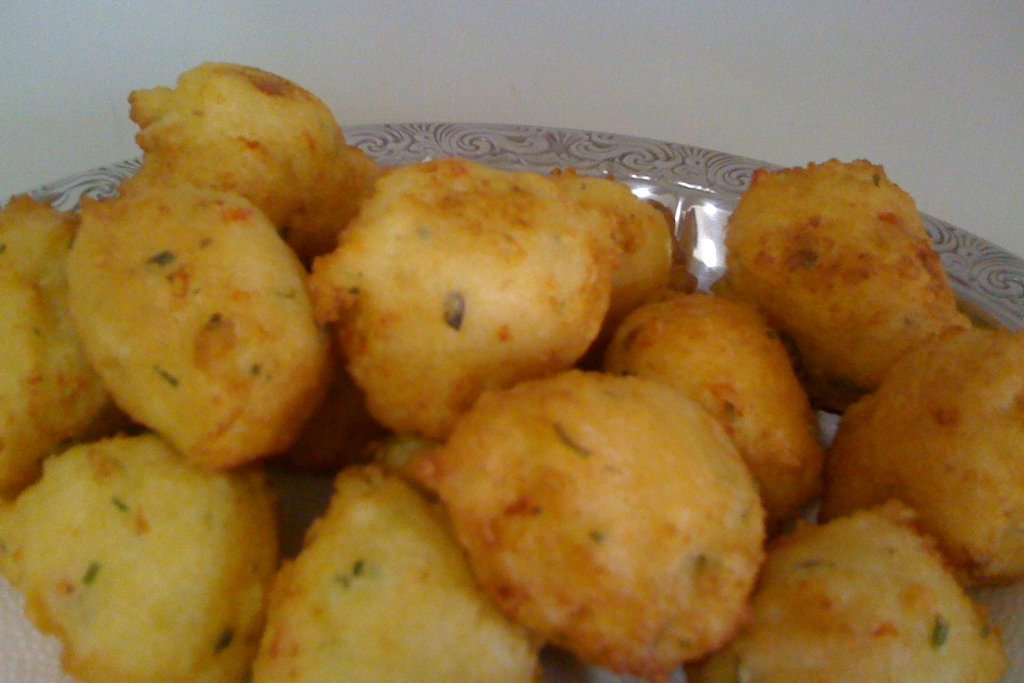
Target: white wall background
(932,90)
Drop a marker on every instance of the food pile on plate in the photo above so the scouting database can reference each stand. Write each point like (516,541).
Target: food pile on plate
(539,434)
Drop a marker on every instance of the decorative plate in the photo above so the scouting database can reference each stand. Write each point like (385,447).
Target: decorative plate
(701,188)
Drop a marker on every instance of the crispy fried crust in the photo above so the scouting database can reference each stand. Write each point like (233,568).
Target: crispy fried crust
(49,394)
(611,515)
(723,354)
(456,278)
(195,314)
(837,258)
(943,433)
(642,234)
(240,129)
(862,598)
(382,592)
(148,569)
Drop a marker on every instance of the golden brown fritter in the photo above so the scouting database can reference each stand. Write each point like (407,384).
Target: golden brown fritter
(382,592)
(722,354)
(149,570)
(240,129)
(611,515)
(837,258)
(48,392)
(195,314)
(944,433)
(643,236)
(862,598)
(456,278)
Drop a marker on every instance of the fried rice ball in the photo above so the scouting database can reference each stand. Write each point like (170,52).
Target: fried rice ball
(148,570)
(48,392)
(837,257)
(240,129)
(943,433)
(862,598)
(722,354)
(641,233)
(382,592)
(611,515)
(456,278)
(196,316)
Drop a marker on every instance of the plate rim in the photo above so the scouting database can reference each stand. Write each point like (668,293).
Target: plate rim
(984,275)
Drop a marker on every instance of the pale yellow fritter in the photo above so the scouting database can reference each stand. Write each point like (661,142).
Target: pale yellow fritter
(944,433)
(724,355)
(195,314)
(240,129)
(837,258)
(456,278)
(48,392)
(611,515)
(862,599)
(382,592)
(148,570)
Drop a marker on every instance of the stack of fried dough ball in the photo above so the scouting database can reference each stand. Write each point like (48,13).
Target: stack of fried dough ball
(183,301)
(725,356)
(261,295)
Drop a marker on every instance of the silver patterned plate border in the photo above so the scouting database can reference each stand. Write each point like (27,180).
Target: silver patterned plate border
(984,276)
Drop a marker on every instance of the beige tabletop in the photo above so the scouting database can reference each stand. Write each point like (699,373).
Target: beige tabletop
(933,91)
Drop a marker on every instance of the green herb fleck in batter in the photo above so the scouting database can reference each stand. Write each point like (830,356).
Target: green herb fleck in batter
(347,579)
(454,309)
(168,377)
(90,573)
(163,258)
(564,437)
(940,631)
(224,640)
